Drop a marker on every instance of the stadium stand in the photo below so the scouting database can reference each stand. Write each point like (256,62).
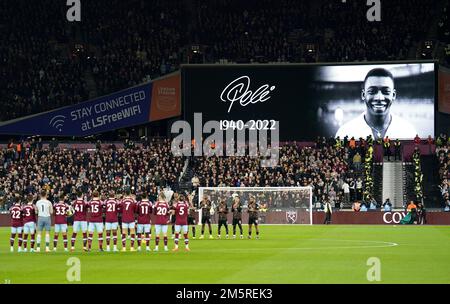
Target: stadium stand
(37,72)
(120,44)
(123,43)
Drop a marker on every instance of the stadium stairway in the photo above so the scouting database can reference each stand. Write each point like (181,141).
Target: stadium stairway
(378,182)
(393,182)
(185,183)
(431,192)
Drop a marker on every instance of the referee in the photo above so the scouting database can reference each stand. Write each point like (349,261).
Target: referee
(44,211)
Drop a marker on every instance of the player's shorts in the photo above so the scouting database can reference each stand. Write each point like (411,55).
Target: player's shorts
(191,220)
(253,221)
(60,228)
(179,227)
(144,228)
(95,227)
(29,228)
(111,226)
(44,223)
(223,222)
(160,228)
(130,225)
(17,230)
(237,222)
(206,220)
(80,225)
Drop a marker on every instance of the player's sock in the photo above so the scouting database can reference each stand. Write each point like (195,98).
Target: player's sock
(38,241)
(139,239)
(186,240)
(100,240)
(32,241)
(234,229)
(47,241)
(20,240)
(147,239)
(115,237)
(90,240)
(85,239)
(176,239)
(65,240)
(240,229)
(132,240)
(25,241)
(11,240)
(124,240)
(226,229)
(165,241)
(55,240)
(157,241)
(74,237)
(108,237)
(193,231)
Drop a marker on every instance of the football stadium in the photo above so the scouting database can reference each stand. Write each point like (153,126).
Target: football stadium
(224,142)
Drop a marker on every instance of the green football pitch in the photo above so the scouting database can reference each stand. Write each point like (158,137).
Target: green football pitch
(283,254)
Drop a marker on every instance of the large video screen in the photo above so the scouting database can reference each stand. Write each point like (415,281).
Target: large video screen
(354,100)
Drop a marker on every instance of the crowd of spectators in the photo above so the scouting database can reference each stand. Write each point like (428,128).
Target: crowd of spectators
(46,61)
(36,73)
(65,171)
(443,155)
(251,31)
(348,36)
(134,41)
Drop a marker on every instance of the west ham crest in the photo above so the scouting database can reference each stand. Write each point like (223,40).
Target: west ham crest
(291,217)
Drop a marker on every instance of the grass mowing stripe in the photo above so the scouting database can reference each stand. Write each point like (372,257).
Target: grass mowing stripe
(335,254)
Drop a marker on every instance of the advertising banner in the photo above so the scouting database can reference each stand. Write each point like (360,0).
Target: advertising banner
(133,106)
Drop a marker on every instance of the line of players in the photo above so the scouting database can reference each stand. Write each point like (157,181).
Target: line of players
(23,220)
(236,209)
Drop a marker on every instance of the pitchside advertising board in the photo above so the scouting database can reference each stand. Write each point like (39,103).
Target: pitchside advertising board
(152,101)
(313,100)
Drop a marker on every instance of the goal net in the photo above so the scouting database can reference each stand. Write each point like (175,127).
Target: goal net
(295,203)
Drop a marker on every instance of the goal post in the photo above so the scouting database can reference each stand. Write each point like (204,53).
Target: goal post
(296,202)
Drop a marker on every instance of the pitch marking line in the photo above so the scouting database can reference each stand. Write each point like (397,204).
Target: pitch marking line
(382,245)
